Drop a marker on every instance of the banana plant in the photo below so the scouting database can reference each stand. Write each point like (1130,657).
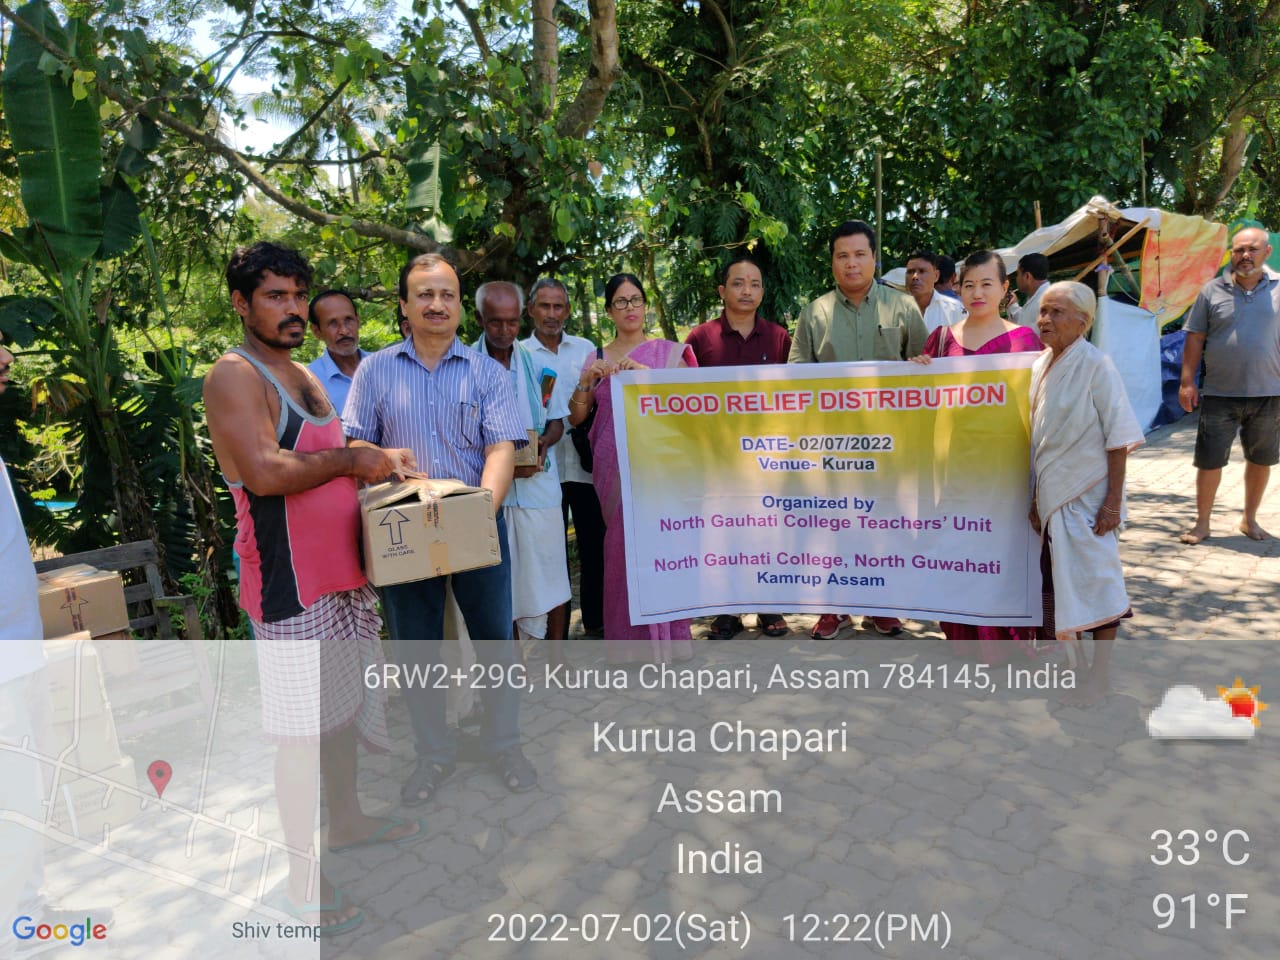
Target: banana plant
(78,216)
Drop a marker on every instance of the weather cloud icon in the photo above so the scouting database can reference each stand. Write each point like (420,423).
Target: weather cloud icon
(1186,714)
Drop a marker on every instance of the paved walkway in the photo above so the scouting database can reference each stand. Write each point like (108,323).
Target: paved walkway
(1027,824)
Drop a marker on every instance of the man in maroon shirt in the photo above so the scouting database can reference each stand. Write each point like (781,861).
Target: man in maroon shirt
(740,337)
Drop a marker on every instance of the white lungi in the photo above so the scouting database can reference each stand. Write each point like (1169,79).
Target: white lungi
(539,574)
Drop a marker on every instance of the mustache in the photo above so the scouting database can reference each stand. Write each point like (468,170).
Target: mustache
(292,318)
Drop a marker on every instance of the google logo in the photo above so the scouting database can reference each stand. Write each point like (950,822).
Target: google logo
(77,933)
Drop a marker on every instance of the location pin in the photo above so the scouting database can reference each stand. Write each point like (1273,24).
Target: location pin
(159,773)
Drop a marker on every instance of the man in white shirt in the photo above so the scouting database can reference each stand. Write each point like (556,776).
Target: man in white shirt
(1032,278)
(922,276)
(24,716)
(551,347)
(335,321)
(535,527)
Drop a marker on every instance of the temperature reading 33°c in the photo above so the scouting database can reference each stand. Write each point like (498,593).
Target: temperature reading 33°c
(1184,846)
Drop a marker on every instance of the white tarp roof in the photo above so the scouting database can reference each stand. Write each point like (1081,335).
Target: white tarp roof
(1079,226)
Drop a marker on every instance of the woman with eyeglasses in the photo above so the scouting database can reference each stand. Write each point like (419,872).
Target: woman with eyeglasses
(631,349)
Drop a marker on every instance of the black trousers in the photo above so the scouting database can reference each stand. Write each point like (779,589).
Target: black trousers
(588,526)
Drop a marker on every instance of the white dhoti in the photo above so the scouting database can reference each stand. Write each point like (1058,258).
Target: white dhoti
(539,573)
(1088,581)
(1079,412)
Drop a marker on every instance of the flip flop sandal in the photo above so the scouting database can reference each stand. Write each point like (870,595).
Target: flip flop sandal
(380,835)
(773,624)
(426,778)
(308,912)
(515,770)
(725,627)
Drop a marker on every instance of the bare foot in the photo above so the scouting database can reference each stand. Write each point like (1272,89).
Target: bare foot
(1253,531)
(1092,693)
(1197,533)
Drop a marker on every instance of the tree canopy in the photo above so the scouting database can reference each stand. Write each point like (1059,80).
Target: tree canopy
(571,137)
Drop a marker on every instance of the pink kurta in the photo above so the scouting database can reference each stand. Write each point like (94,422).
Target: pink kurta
(623,642)
(993,645)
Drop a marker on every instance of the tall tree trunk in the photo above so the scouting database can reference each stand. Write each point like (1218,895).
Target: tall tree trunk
(546,52)
(655,296)
(586,309)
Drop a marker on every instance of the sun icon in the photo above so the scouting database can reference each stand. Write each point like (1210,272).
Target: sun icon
(1242,700)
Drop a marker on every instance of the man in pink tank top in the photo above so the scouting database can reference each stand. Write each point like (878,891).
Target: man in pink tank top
(293,479)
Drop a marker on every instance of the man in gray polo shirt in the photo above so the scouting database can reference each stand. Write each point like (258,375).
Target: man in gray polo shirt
(1235,325)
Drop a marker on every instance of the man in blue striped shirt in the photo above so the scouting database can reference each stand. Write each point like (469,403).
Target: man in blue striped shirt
(456,409)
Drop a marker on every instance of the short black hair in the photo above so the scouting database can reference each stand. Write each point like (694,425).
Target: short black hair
(851,228)
(740,258)
(248,264)
(1036,264)
(946,268)
(427,260)
(311,307)
(618,279)
(980,257)
(925,255)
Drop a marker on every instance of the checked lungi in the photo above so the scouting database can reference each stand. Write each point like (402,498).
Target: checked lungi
(311,669)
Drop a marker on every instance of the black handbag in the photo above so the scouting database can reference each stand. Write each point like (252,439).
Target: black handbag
(581,434)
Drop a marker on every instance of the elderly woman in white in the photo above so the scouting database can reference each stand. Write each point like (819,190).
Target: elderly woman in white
(1082,429)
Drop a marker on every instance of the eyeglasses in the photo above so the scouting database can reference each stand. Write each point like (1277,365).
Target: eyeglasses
(627,304)
(4,368)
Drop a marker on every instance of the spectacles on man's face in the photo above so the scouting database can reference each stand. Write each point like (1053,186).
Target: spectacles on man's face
(627,303)
(4,368)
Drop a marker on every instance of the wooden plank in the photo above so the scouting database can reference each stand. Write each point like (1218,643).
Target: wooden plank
(124,556)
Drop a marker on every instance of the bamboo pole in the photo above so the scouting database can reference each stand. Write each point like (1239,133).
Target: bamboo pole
(1039,223)
(1106,253)
(879,214)
(1142,167)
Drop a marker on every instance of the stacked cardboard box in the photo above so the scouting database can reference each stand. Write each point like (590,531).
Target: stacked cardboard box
(84,598)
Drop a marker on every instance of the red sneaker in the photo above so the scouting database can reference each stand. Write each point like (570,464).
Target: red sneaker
(889,626)
(828,626)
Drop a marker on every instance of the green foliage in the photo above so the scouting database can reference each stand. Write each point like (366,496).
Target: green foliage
(53,126)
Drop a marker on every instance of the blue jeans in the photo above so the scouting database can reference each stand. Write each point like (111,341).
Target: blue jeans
(415,620)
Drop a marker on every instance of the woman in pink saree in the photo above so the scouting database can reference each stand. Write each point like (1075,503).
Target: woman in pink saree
(631,349)
(983,285)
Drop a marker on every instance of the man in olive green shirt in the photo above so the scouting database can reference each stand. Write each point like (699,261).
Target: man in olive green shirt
(859,320)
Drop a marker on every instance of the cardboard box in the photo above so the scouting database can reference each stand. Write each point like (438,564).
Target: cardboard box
(417,529)
(75,677)
(84,805)
(81,597)
(527,456)
(118,653)
(95,748)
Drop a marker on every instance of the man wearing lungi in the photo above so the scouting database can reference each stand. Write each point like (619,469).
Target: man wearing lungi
(552,348)
(279,444)
(535,525)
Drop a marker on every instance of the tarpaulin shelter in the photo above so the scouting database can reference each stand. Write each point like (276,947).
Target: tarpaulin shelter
(1176,256)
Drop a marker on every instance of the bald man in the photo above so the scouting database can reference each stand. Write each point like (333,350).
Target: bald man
(1234,325)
